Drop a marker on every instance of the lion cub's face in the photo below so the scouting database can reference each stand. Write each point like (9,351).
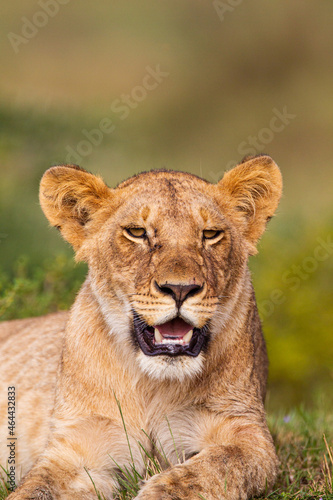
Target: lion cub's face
(166,252)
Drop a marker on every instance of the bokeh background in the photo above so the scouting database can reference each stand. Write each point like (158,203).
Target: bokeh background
(120,87)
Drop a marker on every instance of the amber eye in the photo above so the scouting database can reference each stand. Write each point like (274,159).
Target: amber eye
(136,232)
(211,234)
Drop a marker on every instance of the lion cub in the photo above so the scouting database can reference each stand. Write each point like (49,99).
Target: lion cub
(166,324)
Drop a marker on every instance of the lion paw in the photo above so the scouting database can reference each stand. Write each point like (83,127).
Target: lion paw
(178,483)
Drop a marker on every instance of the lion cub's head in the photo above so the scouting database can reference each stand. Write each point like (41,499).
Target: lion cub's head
(167,252)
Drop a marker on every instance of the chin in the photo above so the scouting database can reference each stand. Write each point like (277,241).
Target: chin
(178,368)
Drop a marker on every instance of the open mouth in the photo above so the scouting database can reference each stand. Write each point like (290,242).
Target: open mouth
(173,338)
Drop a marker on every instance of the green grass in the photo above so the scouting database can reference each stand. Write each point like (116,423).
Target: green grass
(304,445)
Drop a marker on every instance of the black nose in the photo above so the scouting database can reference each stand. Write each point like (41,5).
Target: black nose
(179,292)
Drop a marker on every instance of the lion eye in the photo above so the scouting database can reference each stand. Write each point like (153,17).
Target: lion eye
(136,232)
(210,234)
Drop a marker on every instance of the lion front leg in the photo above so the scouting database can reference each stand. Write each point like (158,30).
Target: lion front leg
(230,472)
(80,459)
(50,480)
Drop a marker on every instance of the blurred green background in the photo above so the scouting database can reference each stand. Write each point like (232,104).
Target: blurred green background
(188,85)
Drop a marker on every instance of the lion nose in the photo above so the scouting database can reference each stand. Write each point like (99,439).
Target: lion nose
(179,292)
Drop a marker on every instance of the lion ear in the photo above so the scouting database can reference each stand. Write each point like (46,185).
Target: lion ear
(70,197)
(252,190)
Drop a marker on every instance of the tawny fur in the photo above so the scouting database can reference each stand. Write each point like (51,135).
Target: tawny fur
(71,370)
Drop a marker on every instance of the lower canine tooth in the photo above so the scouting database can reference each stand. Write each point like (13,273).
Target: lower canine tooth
(158,336)
(187,337)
